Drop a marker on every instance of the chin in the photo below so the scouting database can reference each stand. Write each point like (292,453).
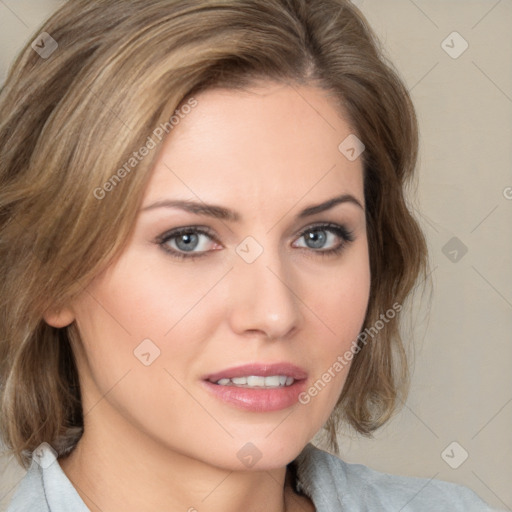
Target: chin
(259,453)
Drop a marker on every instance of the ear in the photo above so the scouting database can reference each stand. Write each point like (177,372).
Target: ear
(59,318)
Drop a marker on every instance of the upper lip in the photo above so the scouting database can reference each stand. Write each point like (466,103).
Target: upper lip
(260,369)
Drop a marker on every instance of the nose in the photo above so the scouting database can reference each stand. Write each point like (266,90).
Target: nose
(263,299)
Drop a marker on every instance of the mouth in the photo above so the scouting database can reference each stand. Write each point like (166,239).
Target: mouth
(259,375)
(257,381)
(258,387)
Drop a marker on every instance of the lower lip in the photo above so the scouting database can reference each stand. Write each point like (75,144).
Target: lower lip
(258,400)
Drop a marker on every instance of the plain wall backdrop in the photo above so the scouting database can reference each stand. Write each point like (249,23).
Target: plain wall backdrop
(456,59)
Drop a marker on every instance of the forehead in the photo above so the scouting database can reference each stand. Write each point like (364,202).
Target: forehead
(269,142)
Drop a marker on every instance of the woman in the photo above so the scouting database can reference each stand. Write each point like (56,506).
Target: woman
(208,248)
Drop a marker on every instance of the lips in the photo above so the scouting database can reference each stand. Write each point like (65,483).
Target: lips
(259,369)
(256,398)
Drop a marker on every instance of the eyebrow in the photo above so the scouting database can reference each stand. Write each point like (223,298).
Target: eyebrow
(220,212)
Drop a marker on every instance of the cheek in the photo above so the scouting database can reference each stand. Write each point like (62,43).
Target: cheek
(341,306)
(135,302)
(124,317)
(343,298)
(138,301)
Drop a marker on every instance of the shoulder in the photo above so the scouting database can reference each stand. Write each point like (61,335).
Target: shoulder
(45,487)
(333,484)
(29,494)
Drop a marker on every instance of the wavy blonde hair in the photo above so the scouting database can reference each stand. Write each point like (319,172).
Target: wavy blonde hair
(69,121)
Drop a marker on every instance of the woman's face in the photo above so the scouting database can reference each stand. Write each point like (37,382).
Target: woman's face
(269,288)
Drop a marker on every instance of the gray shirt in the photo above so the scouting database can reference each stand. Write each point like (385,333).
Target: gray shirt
(332,485)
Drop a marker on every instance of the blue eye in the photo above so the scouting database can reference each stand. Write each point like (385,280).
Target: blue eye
(183,242)
(316,238)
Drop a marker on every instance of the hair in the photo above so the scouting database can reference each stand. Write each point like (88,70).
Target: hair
(70,120)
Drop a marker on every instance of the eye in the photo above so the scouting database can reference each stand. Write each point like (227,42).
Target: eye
(192,241)
(317,237)
(182,242)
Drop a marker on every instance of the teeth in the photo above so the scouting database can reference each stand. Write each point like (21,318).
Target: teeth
(260,381)
(256,381)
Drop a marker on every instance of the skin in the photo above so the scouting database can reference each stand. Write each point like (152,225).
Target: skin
(154,439)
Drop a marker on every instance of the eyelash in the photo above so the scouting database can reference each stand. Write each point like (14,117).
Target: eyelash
(341,231)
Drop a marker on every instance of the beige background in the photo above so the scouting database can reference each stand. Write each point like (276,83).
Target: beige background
(462,383)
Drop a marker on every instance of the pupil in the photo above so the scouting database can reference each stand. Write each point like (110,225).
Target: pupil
(318,240)
(187,240)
